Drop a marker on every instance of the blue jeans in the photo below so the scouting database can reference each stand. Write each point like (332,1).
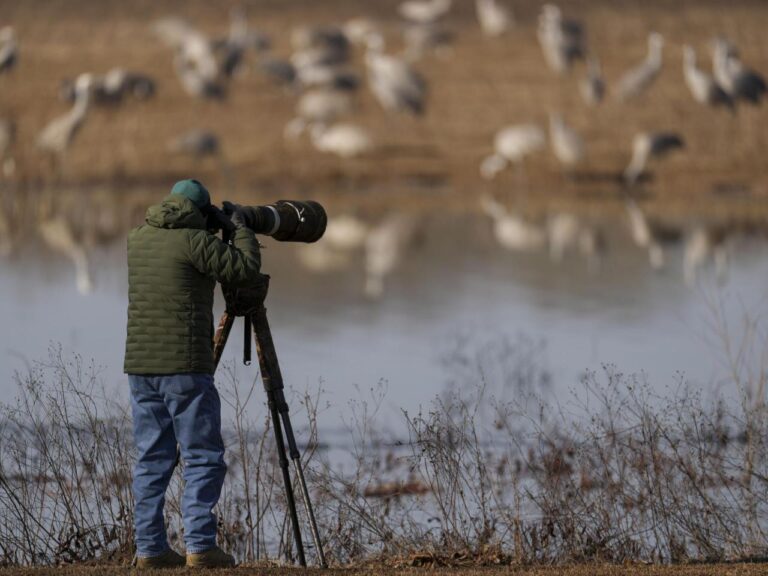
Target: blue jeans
(171,409)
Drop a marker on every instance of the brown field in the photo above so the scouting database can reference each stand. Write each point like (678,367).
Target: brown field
(587,570)
(483,85)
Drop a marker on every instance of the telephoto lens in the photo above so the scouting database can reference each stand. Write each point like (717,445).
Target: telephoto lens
(285,220)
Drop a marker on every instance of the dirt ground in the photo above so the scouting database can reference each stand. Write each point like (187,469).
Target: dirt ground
(589,570)
(480,86)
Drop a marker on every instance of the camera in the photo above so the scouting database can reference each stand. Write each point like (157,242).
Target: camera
(284,220)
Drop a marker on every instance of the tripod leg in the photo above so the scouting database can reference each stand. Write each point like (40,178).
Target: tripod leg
(273,384)
(221,335)
(287,481)
(293,450)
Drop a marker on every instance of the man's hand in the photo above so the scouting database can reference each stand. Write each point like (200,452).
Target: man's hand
(238,218)
(237,215)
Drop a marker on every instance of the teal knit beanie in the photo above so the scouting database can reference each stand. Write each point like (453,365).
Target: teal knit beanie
(193,190)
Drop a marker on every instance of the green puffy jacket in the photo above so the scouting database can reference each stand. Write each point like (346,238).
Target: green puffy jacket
(173,266)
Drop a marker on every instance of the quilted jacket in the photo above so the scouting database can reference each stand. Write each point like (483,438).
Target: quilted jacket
(173,266)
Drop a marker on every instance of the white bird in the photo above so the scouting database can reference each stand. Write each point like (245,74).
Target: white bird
(344,234)
(193,81)
(511,231)
(319,106)
(703,87)
(195,60)
(701,245)
(113,87)
(9,50)
(495,18)
(592,86)
(344,140)
(319,258)
(562,41)
(512,144)
(424,11)
(59,134)
(566,232)
(643,235)
(738,81)
(384,248)
(57,234)
(647,145)
(567,146)
(230,51)
(397,86)
(7,141)
(641,77)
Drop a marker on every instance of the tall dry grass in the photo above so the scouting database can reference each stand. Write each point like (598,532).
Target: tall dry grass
(495,470)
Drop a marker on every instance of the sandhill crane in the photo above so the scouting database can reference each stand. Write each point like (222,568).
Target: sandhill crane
(197,143)
(384,248)
(7,141)
(318,106)
(512,231)
(643,235)
(397,86)
(194,61)
(703,87)
(701,245)
(424,11)
(738,81)
(58,235)
(647,145)
(512,144)
(9,50)
(641,77)
(494,17)
(359,30)
(335,77)
(286,74)
(230,51)
(281,72)
(562,41)
(592,86)
(113,87)
(343,140)
(567,146)
(330,38)
(423,38)
(194,82)
(58,135)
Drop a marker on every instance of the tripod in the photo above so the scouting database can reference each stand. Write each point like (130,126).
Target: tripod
(248,302)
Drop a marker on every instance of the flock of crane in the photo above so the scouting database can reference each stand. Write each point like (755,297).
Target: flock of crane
(321,76)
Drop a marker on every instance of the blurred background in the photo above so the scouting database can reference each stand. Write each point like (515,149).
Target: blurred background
(586,182)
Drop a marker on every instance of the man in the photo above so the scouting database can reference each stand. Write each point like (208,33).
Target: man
(173,266)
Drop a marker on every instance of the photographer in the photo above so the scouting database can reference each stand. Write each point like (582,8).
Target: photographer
(174,263)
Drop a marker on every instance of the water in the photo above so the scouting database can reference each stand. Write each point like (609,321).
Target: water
(453,280)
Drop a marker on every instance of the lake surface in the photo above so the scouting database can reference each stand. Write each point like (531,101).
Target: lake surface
(451,282)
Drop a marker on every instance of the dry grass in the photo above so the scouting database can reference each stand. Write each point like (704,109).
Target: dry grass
(587,570)
(482,86)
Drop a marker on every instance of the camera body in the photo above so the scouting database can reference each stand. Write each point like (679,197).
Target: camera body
(284,220)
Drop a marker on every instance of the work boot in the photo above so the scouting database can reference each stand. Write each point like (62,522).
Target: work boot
(213,558)
(168,559)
